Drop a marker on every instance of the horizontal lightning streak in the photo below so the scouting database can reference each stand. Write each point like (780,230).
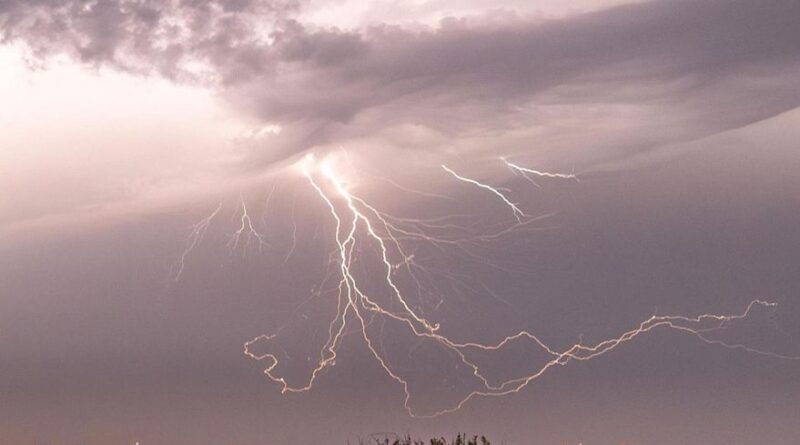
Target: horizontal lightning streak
(527,172)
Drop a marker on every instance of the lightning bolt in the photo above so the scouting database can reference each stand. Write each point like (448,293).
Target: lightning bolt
(519,214)
(246,234)
(528,172)
(294,236)
(197,232)
(358,225)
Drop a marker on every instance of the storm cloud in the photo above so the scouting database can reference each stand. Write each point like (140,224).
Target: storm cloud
(687,68)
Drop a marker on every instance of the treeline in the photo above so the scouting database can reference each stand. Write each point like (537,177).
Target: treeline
(461,439)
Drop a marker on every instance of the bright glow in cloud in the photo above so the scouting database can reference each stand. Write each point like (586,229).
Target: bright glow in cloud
(75,137)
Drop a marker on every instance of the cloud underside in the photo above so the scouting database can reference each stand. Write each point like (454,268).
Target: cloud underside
(593,86)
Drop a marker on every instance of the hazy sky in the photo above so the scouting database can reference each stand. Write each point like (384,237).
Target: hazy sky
(140,136)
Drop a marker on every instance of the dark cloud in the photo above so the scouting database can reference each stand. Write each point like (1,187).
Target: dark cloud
(703,66)
(147,36)
(710,65)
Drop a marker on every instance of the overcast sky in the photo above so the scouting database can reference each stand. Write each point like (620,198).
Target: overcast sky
(138,137)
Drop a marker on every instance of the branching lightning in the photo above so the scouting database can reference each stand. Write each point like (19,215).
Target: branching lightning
(358,225)
(519,214)
(246,235)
